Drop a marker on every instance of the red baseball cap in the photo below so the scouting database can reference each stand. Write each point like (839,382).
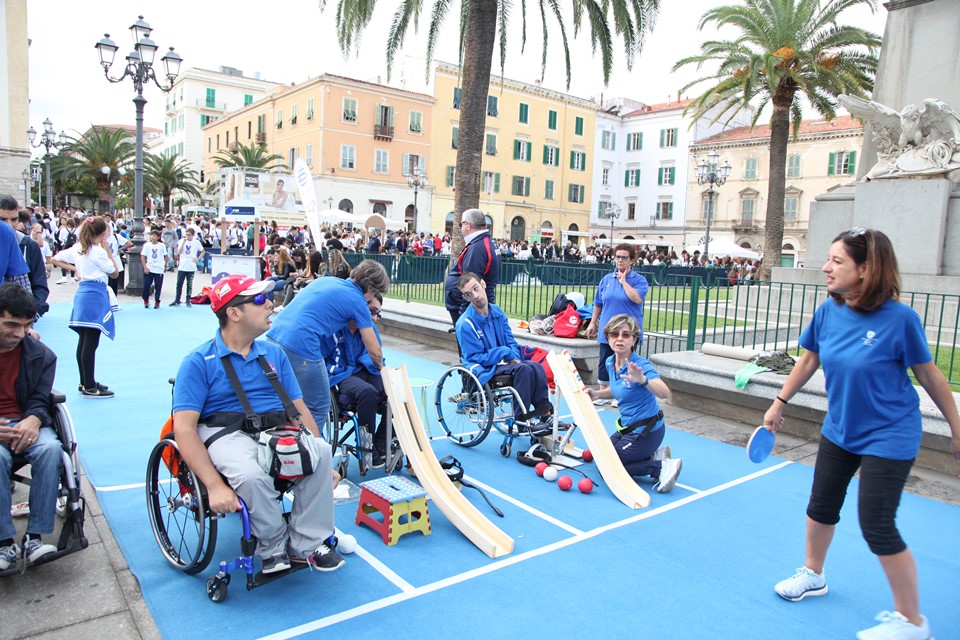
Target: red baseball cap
(229,287)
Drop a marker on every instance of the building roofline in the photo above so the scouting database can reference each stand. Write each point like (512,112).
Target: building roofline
(525,87)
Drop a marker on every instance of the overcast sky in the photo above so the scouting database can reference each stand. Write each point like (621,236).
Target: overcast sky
(294,40)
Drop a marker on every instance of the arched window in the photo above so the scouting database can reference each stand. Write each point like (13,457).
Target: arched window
(518,229)
(345,205)
(379,207)
(573,227)
(448,223)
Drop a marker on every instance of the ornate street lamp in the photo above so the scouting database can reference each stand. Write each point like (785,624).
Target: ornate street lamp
(48,140)
(612,212)
(25,174)
(139,68)
(710,172)
(416,181)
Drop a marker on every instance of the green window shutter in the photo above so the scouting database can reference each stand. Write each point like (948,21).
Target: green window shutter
(626,178)
(673,177)
(529,151)
(663,135)
(853,163)
(551,119)
(832,164)
(405,168)
(676,136)
(455,137)
(496,183)
(639,143)
(670,210)
(524,113)
(660,175)
(390,116)
(247,99)
(572,156)
(450,170)
(556,157)
(211,97)
(613,140)
(546,154)
(516,149)
(526,187)
(583,166)
(578,126)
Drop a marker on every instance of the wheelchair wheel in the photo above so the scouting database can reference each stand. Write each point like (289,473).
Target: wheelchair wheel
(182,524)
(502,403)
(463,406)
(217,587)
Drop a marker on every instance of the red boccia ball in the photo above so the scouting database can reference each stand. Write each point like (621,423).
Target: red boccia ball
(587,455)
(585,485)
(540,468)
(564,483)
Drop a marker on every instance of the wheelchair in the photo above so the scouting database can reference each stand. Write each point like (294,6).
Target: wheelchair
(347,440)
(185,527)
(71,506)
(467,410)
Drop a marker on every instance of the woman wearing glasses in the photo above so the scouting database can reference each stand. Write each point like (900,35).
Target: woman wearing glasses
(636,385)
(866,340)
(619,292)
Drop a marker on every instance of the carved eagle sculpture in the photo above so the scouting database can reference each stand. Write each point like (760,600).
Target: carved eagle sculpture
(921,140)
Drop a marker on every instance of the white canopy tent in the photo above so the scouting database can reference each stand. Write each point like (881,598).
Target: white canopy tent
(726,247)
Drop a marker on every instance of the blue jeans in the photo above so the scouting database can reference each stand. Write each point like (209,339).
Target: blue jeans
(44,458)
(314,383)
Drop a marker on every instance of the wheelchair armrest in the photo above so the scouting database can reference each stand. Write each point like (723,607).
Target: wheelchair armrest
(56,397)
(501,380)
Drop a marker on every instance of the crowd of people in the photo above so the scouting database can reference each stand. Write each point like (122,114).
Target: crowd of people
(325,341)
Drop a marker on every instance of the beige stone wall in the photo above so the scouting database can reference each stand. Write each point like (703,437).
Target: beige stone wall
(14,97)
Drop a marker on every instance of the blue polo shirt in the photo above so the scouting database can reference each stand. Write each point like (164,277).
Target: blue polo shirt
(11,260)
(321,309)
(612,300)
(872,406)
(635,402)
(203,385)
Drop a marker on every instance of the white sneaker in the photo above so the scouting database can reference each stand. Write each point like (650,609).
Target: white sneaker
(895,626)
(663,453)
(669,472)
(63,280)
(8,556)
(805,582)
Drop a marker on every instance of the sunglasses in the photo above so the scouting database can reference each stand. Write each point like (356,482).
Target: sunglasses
(856,231)
(623,334)
(375,313)
(260,299)
(621,257)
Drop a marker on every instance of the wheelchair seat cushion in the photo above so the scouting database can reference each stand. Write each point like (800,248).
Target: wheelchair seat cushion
(501,380)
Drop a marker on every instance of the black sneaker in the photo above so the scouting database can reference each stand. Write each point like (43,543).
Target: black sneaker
(323,559)
(96,393)
(101,387)
(379,458)
(189,304)
(175,303)
(275,564)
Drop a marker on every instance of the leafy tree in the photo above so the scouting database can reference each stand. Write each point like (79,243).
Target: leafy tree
(86,156)
(165,174)
(786,50)
(253,155)
(482,24)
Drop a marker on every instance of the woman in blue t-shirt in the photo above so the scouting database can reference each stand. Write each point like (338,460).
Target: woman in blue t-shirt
(636,385)
(866,340)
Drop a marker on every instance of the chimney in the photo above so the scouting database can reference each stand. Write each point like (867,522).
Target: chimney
(678,95)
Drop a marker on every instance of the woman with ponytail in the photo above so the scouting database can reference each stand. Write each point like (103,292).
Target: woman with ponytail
(92,313)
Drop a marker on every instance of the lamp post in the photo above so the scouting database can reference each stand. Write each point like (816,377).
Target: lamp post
(25,174)
(48,140)
(329,202)
(107,170)
(416,181)
(612,212)
(140,69)
(709,172)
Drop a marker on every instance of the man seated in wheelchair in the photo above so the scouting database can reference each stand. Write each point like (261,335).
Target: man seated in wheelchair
(488,348)
(27,369)
(358,384)
(220,446)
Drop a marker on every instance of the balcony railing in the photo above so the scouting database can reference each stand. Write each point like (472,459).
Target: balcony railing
(383,132)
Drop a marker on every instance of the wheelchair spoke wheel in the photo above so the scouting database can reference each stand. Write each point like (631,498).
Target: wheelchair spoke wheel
(463,407)
(176,502)
(503,401)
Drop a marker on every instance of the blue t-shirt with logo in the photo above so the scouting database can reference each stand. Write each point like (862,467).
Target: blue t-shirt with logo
(635,402)
(872,407)
(612,299)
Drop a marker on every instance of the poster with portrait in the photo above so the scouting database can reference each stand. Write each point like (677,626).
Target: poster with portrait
(274,194)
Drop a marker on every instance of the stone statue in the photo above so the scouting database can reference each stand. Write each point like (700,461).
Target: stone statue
(921,140)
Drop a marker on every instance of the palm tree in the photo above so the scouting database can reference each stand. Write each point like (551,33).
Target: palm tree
(85,157)
(786,50)
(253,155)
(165,174)
(482,24)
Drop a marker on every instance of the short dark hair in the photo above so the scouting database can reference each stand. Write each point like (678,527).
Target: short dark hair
(8,203)
(17,301)
(467,277)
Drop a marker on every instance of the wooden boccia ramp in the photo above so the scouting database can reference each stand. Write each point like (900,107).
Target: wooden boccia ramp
(570,384)
(409,430)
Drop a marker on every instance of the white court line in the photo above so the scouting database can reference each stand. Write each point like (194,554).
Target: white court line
(124,487)
(540,514)
(688,488)
(507,561)
(384,570)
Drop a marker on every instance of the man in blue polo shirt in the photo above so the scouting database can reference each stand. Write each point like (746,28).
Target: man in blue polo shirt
(13,268)
(203,394)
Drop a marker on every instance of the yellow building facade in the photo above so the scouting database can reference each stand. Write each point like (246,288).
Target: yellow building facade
(537,161)
(359,139)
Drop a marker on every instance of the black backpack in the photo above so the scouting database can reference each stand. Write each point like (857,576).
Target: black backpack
(560,304)
(70,241)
